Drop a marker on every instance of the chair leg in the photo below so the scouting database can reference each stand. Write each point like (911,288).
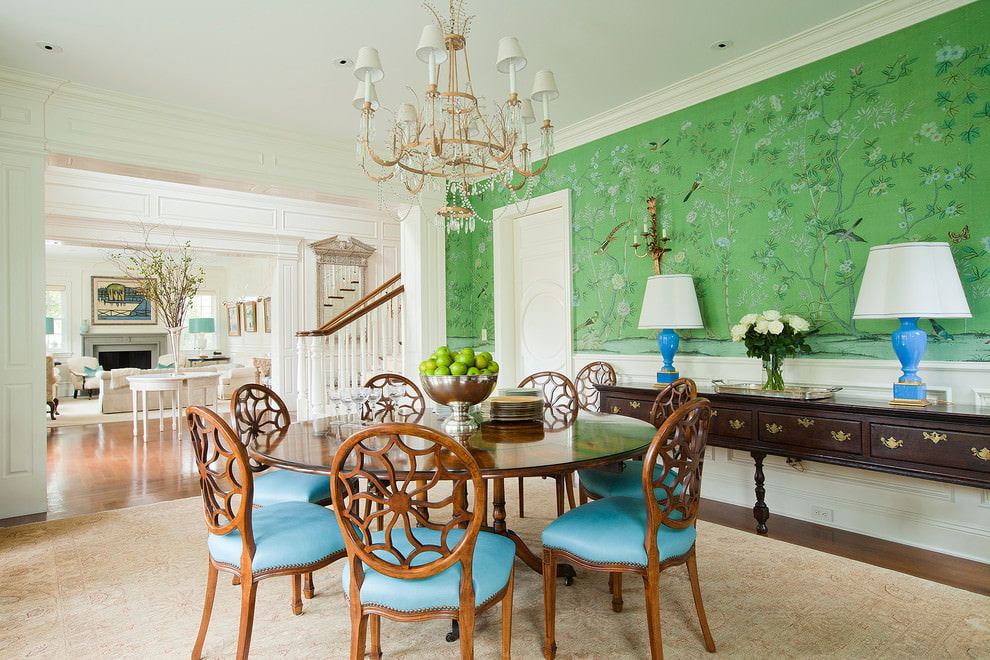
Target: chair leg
(376,636)
(359,630)
(521,515)
(652,588)
(309,587)
(204,624)
(507,618)
(465,622)
(549,603)
(615,588)
(249,593)
(297,593)
(582,493)
(692,566)
(558,482)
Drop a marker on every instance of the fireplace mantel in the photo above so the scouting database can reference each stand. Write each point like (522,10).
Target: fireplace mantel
(156,342)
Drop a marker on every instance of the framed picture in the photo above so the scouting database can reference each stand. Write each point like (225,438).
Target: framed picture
(233,319)
(250,316)
(267,307)
(121,301)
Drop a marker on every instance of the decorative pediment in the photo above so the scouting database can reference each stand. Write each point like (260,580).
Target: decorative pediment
(342,251)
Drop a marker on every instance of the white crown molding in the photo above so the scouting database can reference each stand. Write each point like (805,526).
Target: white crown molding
(852,29)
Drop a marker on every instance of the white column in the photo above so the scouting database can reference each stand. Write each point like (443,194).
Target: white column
(424,309)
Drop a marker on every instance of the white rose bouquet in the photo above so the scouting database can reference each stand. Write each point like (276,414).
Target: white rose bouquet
(772,336)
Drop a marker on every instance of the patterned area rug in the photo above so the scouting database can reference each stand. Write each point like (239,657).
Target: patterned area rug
(130,584)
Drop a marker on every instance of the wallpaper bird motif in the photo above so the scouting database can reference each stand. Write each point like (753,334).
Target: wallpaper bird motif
(773,194)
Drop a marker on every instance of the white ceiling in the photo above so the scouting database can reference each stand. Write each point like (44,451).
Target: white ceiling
(275,62)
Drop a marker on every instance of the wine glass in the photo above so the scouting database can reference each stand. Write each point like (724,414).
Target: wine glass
(374,396)
(359,395)
(333,396)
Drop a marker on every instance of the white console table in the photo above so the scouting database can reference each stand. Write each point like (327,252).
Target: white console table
(173,385)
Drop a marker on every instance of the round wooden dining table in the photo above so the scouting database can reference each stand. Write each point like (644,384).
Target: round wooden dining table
(502,449)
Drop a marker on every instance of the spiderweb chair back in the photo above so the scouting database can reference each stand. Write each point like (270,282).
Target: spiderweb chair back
(678,449)
(401,400)
(257,409)
(560,398)
(591,374)
(425,492)
(225,476)
(671,398)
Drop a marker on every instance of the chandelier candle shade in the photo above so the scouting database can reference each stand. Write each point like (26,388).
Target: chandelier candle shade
(669,302)
(448,140)
(908,281)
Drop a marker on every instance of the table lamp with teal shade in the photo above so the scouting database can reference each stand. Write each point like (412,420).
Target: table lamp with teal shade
(200,327)
(49,325)
(909,281)
(669,302)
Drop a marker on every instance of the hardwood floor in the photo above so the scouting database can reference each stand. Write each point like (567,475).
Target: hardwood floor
(100,467)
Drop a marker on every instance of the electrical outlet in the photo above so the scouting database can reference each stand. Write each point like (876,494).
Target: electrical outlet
(821,514)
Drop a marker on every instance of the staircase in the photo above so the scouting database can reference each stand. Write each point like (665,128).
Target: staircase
(363,340)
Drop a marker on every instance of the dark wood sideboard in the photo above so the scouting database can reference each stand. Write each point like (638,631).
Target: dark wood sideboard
(949,443)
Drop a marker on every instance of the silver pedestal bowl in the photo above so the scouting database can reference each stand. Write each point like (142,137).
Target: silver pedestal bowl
(460,393)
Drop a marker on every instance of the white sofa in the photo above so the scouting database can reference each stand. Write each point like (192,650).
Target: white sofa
(115,391)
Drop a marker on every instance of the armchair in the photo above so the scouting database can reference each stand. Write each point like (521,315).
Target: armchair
(84,371)
(51,386)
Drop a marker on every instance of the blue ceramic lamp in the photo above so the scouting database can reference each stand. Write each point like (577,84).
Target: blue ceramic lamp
(669,302)
(909,281)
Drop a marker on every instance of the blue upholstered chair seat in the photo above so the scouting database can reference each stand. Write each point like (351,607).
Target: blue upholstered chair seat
(627,483)
(613,530)
(285,534)
(493,557)
(273,486)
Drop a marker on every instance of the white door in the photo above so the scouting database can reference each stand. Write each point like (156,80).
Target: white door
(533,328)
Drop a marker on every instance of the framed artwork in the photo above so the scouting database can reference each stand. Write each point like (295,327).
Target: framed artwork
(267,308)
(250,316)
(233,319)
(121,301)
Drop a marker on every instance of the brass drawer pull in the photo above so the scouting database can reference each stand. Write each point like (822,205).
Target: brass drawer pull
(615,410)
(774,428)
(841,436)
(714,412)
(634,404)
(982,454)
(736,424)
(891,442)
(934,436)
(805,422)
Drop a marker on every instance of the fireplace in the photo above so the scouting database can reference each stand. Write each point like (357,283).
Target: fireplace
(126,349)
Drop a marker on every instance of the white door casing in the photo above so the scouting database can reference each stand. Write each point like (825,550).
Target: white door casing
(532,256)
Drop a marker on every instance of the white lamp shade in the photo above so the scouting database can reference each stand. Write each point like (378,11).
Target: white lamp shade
(205,324)
(908,280)
(526,111)
(509,53)
(368,62)
(544,86)
(670,302)
(407,114)
(359,97)
(431,41)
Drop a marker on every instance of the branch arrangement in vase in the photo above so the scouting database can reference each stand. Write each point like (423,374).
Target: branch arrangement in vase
(169,278)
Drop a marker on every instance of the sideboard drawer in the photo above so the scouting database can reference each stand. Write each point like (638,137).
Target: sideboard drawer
(813,432)
(941,447)
(732,423)
(628,406)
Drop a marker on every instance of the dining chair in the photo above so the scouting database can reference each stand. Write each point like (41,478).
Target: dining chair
(643,540)
(401,399)
(594,483)
(432,560)
(591,374)
(285,538)
(560,408)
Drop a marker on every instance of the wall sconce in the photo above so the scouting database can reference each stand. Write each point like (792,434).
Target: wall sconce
(908,281)
(655,245)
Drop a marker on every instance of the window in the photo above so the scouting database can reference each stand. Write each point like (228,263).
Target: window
(203,305)
(56,307)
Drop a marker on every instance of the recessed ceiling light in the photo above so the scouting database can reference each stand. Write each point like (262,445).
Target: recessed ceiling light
(344,61)
(722,44)
(49,46)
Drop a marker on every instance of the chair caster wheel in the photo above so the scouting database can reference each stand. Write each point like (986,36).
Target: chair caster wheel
(568,581)
(455,632)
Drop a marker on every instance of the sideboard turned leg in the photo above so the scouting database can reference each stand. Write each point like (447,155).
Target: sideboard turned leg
(760,510)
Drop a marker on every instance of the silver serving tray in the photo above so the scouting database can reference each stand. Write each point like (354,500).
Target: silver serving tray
(789,392)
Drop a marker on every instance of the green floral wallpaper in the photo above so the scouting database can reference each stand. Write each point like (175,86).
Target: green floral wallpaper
(772,196)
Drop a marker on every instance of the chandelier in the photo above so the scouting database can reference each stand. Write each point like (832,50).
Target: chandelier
(448,140)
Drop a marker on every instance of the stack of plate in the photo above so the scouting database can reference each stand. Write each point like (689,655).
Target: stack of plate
(513,407)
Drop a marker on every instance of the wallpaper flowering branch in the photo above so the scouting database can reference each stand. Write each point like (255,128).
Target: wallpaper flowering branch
(772,196)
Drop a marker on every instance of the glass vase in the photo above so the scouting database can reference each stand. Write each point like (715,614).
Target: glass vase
(174,336)
(772,366)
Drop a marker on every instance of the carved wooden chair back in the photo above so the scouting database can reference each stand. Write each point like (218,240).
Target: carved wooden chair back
(672,397)
(591,374)
(401,399)
(559,396)
(677,452)
(257,409)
